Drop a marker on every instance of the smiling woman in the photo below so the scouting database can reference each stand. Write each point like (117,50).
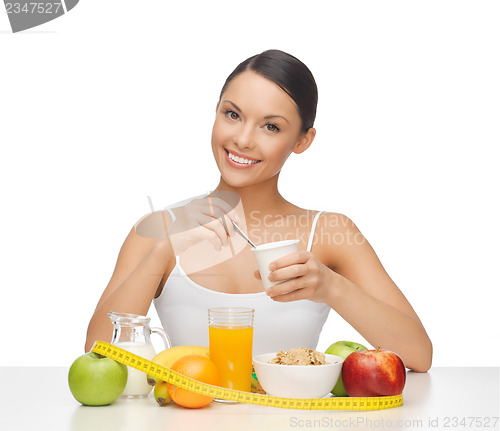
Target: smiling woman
(191,259)
(245,136)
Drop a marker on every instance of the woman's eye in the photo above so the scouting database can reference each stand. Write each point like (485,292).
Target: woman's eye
(231,114)
(272,127)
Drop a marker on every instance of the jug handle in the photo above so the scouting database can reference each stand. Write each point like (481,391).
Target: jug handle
(164,336)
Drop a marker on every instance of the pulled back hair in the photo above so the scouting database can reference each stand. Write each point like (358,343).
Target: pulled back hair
(290,74)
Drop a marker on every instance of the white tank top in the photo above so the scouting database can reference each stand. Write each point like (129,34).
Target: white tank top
(183,310)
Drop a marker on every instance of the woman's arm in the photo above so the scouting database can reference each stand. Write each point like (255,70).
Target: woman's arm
(143,263)
(354,283)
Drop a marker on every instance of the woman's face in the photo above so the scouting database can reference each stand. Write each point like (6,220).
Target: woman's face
(256,128)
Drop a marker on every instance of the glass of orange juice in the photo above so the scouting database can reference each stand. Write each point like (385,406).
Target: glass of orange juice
(230,332)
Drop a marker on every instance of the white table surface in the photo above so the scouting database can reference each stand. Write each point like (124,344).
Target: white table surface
(444,398)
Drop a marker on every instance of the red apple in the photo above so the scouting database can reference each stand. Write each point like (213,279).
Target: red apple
(373,373)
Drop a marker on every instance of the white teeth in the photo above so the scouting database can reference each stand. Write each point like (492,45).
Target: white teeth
(240,160)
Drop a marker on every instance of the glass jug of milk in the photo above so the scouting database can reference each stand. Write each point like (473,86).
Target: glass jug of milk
(132,332)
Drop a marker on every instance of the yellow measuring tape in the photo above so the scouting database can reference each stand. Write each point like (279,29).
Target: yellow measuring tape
(333,403)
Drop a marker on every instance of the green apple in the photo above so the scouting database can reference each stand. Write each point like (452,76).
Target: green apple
(343,349)
(95,380)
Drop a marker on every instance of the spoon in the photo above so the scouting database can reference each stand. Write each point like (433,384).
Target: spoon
(243,235)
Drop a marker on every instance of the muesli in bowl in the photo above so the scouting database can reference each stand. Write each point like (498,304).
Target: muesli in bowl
(297,373)
(299,356)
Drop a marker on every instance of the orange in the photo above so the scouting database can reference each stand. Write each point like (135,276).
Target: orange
(199,368)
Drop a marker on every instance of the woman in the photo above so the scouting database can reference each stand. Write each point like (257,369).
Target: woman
(266,111)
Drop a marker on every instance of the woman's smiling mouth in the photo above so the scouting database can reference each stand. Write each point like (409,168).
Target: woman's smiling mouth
(240,161)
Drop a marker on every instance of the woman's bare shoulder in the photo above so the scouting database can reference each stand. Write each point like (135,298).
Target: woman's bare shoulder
(143,235)
(153,225)
(336,235)
(335,225)
(336,220)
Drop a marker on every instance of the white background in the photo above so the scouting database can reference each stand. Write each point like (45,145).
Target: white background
(115,101)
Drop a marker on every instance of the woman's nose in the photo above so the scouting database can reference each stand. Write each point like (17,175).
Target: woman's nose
(244,138)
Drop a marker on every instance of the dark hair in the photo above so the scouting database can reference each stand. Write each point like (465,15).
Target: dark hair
(290,74)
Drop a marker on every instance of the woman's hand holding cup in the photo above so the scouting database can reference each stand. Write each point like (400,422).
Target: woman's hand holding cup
(299,276)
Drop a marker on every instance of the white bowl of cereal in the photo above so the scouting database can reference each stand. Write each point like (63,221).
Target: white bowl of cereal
(285,374)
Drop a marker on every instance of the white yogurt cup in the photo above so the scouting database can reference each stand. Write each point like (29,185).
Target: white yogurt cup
(266,253)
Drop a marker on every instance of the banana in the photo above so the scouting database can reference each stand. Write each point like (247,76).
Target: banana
(256,387)
(169,356)
(161,393)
